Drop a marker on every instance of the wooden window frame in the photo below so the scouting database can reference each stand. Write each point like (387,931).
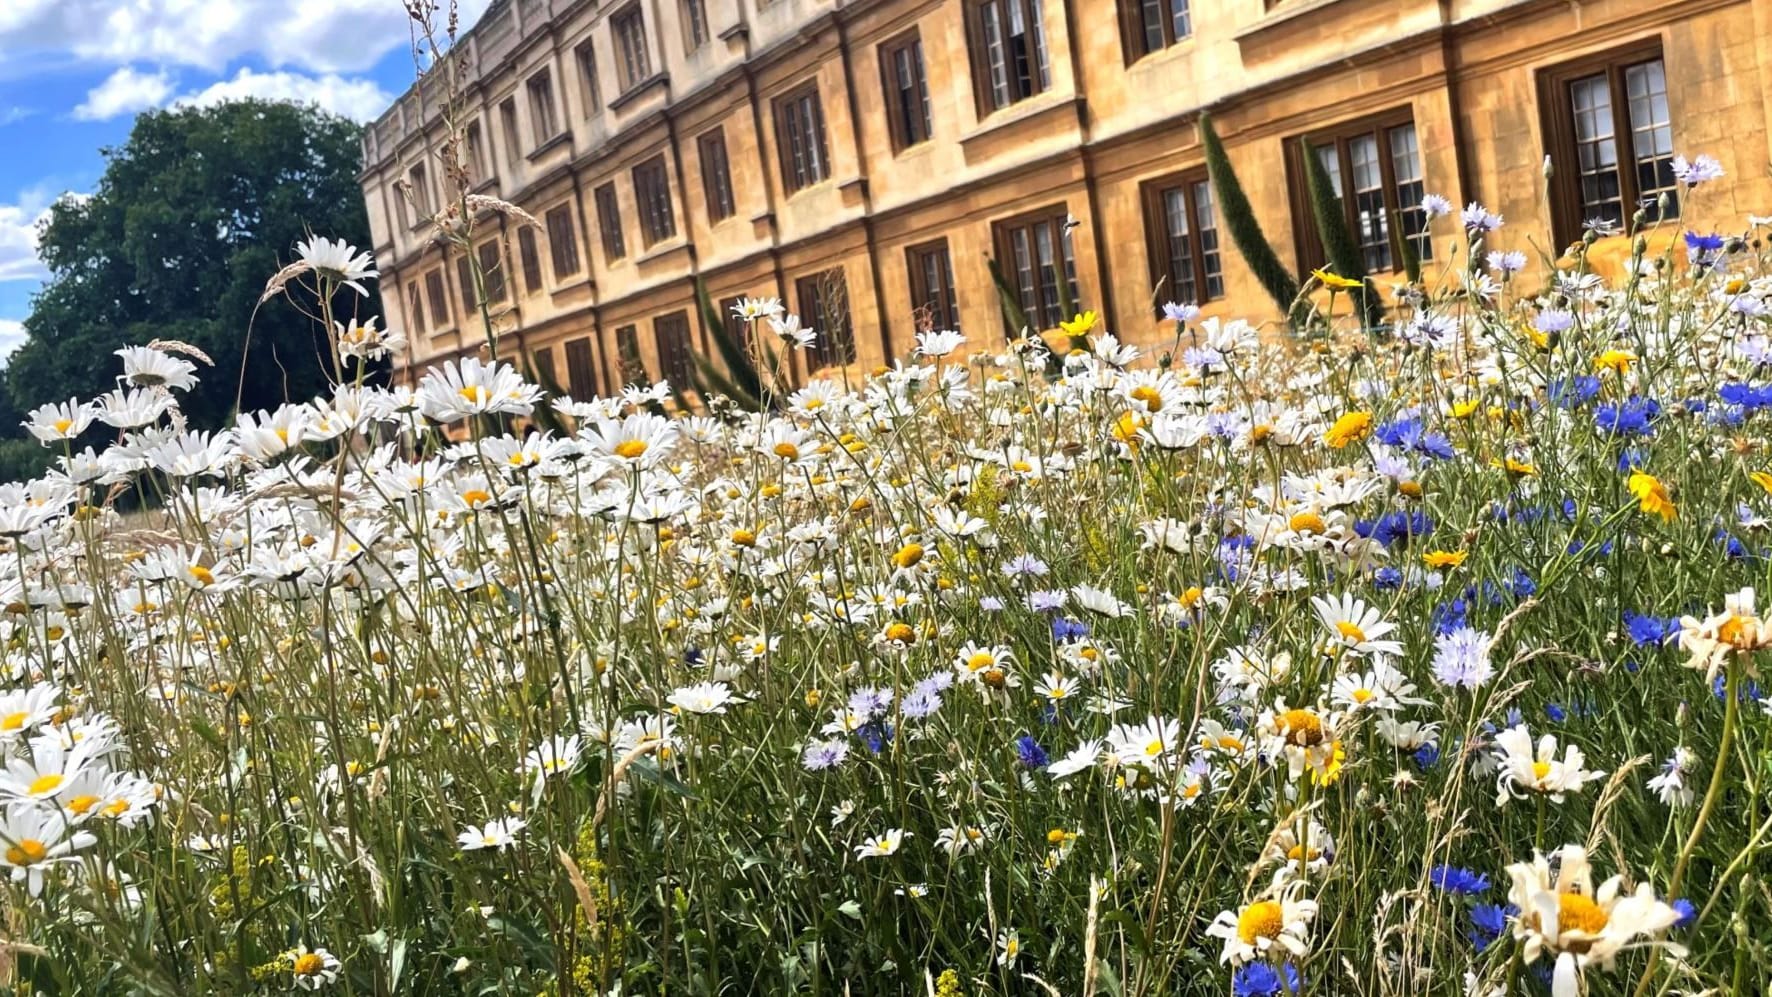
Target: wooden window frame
(615,244)
(544,111)
(695,24)
(633,63)
(562,225)
(716,175)
(652,198)
(507,119)
(492,271)
(1557,121)
(978,49)
(671,338)
(437,295)
(1003,243)
(946,311)
(1135,37)
(1308,242)
(907,129)
(529,255)
(475,140)
(630,362)
(581,368)
(543,359)
(415,305)
(586,55)
(1165,283)
(418,178)
(830,349)
(787,126)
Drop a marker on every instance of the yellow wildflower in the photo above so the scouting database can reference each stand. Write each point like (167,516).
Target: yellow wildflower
(1350,428)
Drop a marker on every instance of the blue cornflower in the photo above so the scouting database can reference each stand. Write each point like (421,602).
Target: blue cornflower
(1427,755)
(874,734)
(1410,434)
(1387,578)
(1703,249)
(1488,921)
(1450,616)
(1631,417)
(693,657)
(870,702)
(1687,912)
(1568,392)
(1647,630)
(1260,979)
(1454,879)
(1555,712)
(1066,629)
(1395,528)
(919,703)
(1747,396)
(1029,752)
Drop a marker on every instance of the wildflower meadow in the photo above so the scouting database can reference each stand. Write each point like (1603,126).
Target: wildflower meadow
(1409,657)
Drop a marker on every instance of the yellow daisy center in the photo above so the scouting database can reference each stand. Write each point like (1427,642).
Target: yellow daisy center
(1301,727)
(1350,631)
(908,555)
(80,804)
(27,851)
(1364,696)
(787,451)
(1307,522)
(1262,919)
(1540,770)
(1148,396)
(309,964)
(475,496)
(630,449)
(201,575)
(14,721)
(49,782)
(980,661)
(474,394)
(63,425)
(1579,913)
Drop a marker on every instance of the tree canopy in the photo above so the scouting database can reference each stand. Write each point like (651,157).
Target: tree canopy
(194,213)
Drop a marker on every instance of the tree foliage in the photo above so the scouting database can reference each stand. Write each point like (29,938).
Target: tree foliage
(1239,219)
(193,214)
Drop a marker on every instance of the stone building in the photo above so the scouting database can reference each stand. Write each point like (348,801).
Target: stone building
(863,160)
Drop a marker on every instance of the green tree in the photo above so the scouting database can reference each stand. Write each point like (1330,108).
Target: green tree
(193,214)
(1245,229)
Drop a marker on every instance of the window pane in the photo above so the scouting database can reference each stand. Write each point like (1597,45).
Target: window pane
(1331,160)
(1181,255)
(1050,311)
(1024,274)
(1406,170)
(1206,217)
(1652,137)
(1180,20)
(996,55)
(1371,224)
(1596,150)
(1151,16)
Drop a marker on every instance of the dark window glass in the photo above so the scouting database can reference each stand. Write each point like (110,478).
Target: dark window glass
(530,256)
(563,241)
(824,306)
(609,224)
(1008,40)
(671,336)
(716,175)
(1035,253)
(933,298)
(652,190)
(629,28)
(799,134)
(907,90)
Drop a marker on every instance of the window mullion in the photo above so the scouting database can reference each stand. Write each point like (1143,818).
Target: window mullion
(1623,136)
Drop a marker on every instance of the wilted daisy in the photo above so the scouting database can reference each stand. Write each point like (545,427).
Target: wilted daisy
(1008,947)
(1564,917)
(1738,629)
(1670,783)
(1524,771)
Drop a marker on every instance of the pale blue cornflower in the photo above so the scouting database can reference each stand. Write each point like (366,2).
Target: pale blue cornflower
(1461,658)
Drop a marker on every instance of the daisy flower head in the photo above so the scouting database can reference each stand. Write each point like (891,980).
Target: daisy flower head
(755,309)
(1526,770)
(883,845)
(703,697)
(1276,926)
(555,756)
(59,420)
(641,440)
(498,833)
(1737,630)
(337,259)
(1566,918)
(1008,947)
(1306,737)
(938,343)
(1354,627)
(313,968)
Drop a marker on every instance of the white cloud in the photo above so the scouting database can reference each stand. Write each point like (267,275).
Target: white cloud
(324,36)
(357,99)
(124,92)
(12,333)
(18,238)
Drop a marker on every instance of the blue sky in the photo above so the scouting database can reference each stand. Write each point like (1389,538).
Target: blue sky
(74,73)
